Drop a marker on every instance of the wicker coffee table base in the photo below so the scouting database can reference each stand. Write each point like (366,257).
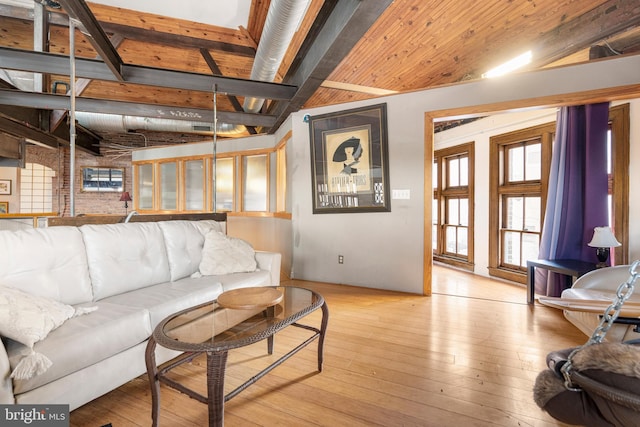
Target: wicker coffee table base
(216,365)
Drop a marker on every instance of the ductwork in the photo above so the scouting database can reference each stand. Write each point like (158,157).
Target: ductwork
(100,122)
(283,19)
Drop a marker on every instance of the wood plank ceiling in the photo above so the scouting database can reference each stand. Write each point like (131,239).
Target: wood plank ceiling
(408,45)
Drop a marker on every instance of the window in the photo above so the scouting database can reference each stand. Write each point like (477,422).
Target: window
(519,169)
(244,182)
(619,179)
(36,188)
(255,190)
(453,205)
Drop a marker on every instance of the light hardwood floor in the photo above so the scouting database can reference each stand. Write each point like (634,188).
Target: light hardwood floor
(466,356)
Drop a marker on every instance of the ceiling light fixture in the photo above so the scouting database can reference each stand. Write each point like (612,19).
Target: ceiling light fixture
(509,66)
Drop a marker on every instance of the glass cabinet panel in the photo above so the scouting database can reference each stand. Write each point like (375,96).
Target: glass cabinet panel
(254,179)
(145,186)
(168,186)
(194,185)
(224,184)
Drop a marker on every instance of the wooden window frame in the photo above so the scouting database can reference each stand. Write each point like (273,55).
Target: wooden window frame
(498,189)
(442,194)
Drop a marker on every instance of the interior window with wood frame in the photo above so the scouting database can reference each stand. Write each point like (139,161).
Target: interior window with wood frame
(618,165)
(519,171)
(453,204)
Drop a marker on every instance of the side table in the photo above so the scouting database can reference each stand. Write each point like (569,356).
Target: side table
(571,267)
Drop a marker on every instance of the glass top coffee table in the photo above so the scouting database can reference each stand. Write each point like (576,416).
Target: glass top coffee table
(215,329)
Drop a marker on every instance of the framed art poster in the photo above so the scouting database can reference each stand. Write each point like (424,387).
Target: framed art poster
(5,186)
(349,161)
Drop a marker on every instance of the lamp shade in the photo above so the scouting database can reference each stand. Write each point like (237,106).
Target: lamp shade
(125,197)
(603,238)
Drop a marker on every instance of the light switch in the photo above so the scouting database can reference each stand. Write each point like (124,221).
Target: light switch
(401,194)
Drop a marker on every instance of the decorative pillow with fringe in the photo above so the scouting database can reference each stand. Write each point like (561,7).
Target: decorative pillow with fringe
(28,318)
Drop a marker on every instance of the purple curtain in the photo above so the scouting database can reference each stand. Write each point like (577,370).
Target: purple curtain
(578,190)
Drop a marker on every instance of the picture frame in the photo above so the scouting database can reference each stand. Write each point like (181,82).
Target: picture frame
(5,187)
(4,208)
(102,179)
(349,161)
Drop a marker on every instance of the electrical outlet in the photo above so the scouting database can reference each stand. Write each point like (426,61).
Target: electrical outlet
(340,259)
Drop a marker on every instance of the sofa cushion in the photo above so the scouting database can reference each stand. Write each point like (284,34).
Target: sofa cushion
(125,257)
(49,262)
(83,341)
(224,255)
(167,298)
(184,241)
(27,319)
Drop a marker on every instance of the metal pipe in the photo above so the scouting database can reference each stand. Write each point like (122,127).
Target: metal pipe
(72,119)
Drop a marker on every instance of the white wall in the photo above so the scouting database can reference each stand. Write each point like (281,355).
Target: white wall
(385,250)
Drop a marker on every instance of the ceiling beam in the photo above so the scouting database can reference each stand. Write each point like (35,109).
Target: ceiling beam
(344,25)
(216,71)
(136,33)
(46,62)
(604,21)
(63,102)
(78,10)
(176,40)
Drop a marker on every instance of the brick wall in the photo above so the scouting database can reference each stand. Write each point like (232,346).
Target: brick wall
(95,202)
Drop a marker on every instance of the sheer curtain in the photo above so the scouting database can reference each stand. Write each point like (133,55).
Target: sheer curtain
(578,190)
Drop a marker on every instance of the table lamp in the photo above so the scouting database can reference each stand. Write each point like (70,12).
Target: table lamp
(125,198)
(602,240)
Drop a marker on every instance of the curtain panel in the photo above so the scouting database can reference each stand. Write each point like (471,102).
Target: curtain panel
(577,193)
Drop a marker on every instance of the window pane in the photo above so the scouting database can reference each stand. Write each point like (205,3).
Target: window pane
(516,164)
(452,212)
(434,237)
(168,190)
(255,183)
(453,171)
(532,214)
(533,169)
(434,211)
(462,241)
(194,185)
(464,171)
(464,212)
(450,239)
(224,184)
(511,248)
(530,246)
(145,186)
(514,212)
(434,177)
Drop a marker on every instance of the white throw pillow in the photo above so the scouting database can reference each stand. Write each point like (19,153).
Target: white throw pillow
(29,318)
(222,254)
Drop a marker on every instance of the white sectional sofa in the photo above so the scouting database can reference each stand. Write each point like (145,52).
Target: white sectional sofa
(136,274)
(601,284)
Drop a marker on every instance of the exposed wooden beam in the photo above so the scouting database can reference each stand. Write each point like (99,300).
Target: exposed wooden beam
(53,101)
(325,47)
(10,146)
(25,130)
(78,9)
(176,40)
(38,62)
(602,22)
(216,71)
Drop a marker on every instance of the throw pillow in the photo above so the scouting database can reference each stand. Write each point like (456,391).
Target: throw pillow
(28,318)
(222,254)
